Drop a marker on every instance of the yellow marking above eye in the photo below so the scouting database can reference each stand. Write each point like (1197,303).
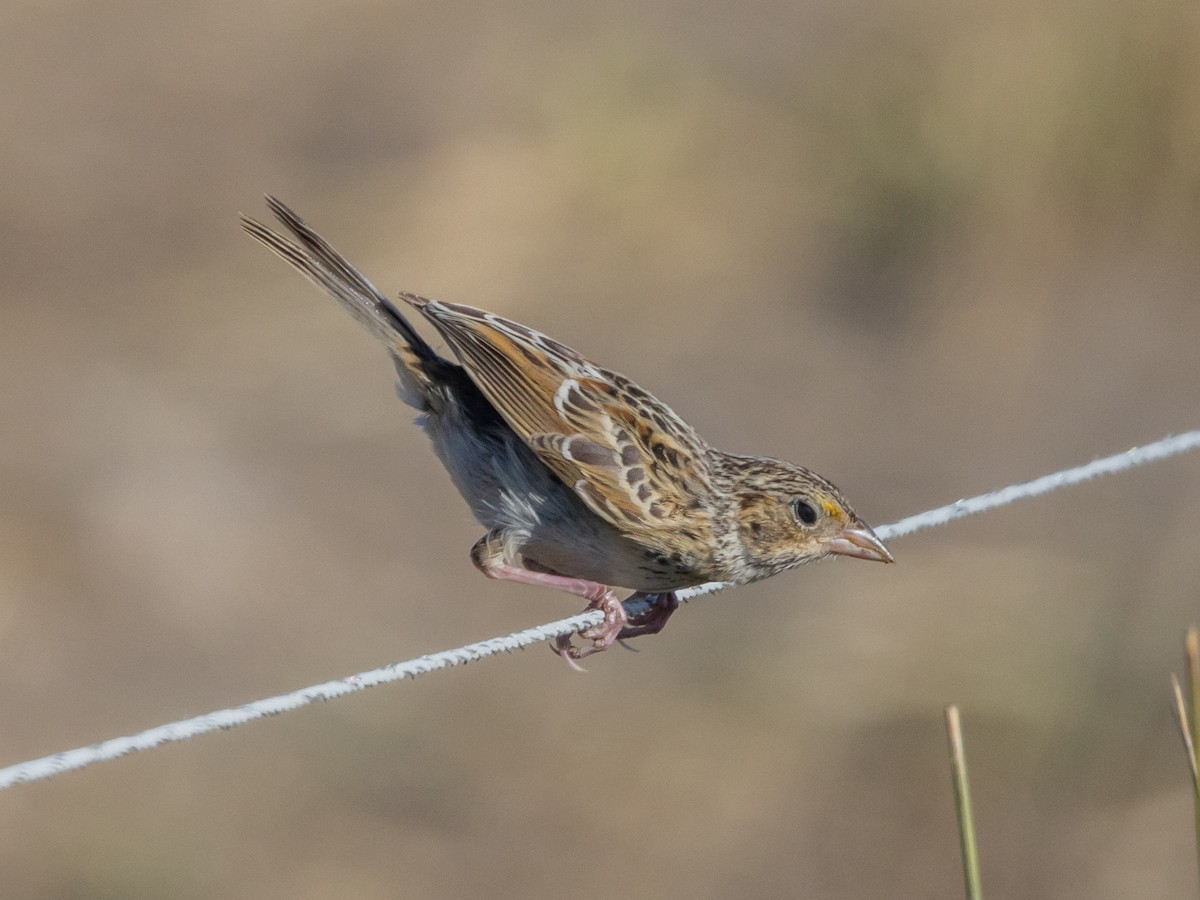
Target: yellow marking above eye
(831,509)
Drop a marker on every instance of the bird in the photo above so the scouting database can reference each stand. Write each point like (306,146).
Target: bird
(585,482)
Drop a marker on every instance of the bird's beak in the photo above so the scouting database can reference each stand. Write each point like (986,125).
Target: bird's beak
(860,542)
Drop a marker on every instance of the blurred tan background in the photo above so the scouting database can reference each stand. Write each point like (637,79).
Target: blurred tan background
(926,249)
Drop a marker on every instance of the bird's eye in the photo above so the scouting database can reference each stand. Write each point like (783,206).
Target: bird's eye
(805,512)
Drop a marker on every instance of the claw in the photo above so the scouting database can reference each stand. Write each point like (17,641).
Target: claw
(617,627)
(562,647)
(602,635)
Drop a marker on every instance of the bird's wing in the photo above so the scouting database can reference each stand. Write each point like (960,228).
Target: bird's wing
(631,459)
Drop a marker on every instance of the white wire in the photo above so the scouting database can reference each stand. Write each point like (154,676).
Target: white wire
(1138,456)
(224,719)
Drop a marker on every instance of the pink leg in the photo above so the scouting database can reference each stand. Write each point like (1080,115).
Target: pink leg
(598,596)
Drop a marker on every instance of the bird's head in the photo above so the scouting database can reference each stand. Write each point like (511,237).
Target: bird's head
(787,516)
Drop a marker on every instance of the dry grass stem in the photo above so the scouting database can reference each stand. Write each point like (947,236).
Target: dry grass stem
(962,804)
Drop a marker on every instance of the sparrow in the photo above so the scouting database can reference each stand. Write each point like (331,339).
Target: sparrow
(584,481)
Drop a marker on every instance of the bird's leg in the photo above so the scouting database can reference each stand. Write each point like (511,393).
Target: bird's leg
(654,619)
(599,596)
(487,556)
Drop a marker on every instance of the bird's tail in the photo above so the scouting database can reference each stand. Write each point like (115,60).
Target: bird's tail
(415,360)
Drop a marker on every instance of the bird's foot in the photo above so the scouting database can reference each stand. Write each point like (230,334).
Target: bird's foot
(662,606)
(601,635)
(617,625)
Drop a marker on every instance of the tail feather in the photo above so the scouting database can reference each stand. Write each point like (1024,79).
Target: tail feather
(313,257)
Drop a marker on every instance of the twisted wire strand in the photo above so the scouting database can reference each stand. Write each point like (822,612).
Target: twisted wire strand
(225,719)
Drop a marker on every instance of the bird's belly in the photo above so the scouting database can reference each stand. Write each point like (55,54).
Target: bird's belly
(609,559)
(566,537)
(508,488)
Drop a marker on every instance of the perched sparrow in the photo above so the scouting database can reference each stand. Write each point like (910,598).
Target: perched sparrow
(583,479)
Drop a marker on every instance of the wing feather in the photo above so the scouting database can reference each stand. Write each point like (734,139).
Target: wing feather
(627,455)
